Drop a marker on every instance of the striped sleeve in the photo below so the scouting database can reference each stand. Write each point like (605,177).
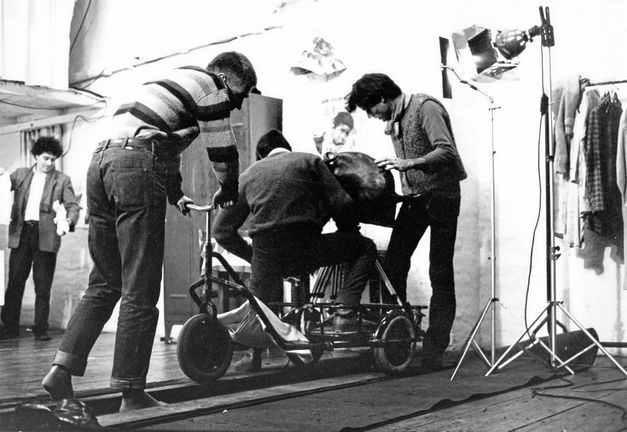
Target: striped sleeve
(212,111)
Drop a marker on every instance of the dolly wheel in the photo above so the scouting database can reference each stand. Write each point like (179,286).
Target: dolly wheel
(397,352)
(204,348)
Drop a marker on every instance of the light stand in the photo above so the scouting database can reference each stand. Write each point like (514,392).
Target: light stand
(491,304)
(546,32)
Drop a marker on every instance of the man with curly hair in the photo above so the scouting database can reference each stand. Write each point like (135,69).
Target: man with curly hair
(431,169)
(35,234)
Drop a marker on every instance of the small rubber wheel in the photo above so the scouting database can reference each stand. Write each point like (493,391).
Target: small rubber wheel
(398,350)
(204,348)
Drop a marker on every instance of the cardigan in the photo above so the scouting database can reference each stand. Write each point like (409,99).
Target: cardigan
(422,128)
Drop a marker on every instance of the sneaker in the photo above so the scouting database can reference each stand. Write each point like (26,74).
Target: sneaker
(251,362)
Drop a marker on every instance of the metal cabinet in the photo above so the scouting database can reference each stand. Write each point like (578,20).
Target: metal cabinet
(184,235)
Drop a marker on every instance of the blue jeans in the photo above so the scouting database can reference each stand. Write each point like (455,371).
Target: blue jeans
(439,212)
(126,200)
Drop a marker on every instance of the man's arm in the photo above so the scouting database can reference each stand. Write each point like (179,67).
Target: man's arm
(439,134)
(225,226)
(340,204)
(213,116)
(70,202)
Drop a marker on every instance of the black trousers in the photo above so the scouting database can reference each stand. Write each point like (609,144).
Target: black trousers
(293,252)
(21,260)
(438,212)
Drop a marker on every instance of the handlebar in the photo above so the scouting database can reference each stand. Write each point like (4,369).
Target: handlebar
(205,208)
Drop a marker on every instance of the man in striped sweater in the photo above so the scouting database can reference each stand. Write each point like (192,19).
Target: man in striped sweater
(130,177)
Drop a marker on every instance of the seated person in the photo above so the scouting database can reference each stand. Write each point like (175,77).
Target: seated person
(289,197)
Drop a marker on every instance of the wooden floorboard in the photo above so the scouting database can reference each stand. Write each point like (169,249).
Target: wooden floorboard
(522,410)
(24,362)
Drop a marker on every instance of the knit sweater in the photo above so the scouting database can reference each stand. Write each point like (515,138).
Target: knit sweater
(423,129)
(188,101)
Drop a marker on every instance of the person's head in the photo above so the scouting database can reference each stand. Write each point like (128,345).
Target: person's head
(342,127)
(46,150)
(237,73)
(374,93)
(270,141)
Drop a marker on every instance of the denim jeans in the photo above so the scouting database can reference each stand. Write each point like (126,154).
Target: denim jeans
(296,254)
(439,212)
(21,260)
(126,199)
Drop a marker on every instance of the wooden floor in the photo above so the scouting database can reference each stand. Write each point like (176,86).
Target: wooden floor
(24,362)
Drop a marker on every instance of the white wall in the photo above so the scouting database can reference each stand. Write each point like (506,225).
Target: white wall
(401,38)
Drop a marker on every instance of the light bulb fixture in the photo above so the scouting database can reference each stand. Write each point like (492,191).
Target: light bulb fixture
(492,57)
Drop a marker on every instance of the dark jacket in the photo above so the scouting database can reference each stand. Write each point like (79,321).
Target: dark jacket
(287,192)
(58,187)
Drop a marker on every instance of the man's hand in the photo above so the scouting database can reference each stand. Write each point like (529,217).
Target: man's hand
(394,163)
(225,199)
(181,204)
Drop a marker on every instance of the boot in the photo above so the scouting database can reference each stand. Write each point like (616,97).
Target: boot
(251,362)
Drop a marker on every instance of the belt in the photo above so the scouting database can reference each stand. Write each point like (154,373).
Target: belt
(155,147)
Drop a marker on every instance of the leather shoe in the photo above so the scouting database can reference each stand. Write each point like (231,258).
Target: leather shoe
(75,414)
(351,323)
(5,333)
(68,414)
(251,362)
(42,336)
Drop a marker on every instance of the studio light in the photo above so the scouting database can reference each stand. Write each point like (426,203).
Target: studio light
(491,57)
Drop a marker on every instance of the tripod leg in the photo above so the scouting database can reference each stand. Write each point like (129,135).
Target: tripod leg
(511,347)
(479,351)
(471,338)
(596,342)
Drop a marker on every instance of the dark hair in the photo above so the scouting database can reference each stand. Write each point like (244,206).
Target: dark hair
(237,64)
(270,141)
(47,144)
(343,118)
(369,90)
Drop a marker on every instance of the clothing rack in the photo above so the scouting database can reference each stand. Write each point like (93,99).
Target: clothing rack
(602,83)
(598,84)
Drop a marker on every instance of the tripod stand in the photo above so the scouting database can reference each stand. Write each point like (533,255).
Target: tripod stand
(548,314)
(491,303)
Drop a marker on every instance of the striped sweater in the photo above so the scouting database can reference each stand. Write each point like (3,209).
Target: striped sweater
(188,102)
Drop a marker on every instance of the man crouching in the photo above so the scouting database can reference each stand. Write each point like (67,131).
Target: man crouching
(289,197)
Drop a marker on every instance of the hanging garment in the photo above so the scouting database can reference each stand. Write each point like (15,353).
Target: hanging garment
(576,203)
(605,216)
(565,121)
